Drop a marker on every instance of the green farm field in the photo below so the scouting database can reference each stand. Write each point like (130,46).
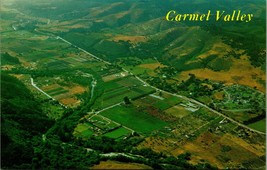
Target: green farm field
(116,90)
(259,125)
(167,103)
(102,123)
(83,130)
(117,133)
(130,117)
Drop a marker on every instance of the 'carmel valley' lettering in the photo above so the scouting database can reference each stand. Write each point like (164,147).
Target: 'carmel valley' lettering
(219,15)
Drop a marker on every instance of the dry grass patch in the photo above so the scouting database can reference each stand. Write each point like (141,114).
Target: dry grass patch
(219,95)
(210,147)
(177,111)
(98,10)
(152,66)
(38,38)
(70,101)
(132,39)
(19,76)
(50,87)
(77,90)
(121,14)
(218,48)
(7,67)
(256,149)
(114,76)
(119,165)
(202,153)
(242,72)
(219,150)
(158,144)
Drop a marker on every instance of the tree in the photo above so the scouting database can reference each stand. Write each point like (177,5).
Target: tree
(126,100)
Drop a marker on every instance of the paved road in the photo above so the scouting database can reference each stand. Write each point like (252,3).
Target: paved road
(109,107)
(112,154)
(94,82)
(92,55)
(34,85)
(203,105)
(173,94)
(218,113)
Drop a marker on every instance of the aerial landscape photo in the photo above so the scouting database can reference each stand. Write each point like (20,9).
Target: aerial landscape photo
(133,84)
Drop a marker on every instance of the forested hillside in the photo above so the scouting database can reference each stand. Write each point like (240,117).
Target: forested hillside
(21,120)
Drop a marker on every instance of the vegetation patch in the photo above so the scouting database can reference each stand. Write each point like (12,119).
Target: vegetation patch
(130,117)
(152,66)
(178,111)
(103,123)
(162,105)
(240,68)
(83,130)
(116,90)
(132,39)
(118,133)
(259,125)
(119,165)
(219,95)
(220,64)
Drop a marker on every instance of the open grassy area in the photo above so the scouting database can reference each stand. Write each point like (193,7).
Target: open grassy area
(83,130)
(103,123)
(146,101)
(259,125)
(167,103)
(177,111)
(116,97)
(58,92)
(53,111)
(240,68)
(162,105)
(129,81)
(173,100)
(117,133)
(130,117)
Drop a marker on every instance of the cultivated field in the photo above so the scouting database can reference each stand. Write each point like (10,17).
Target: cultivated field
(210,138)
(259,125)
(138,121)
(65,94)
(116,90)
